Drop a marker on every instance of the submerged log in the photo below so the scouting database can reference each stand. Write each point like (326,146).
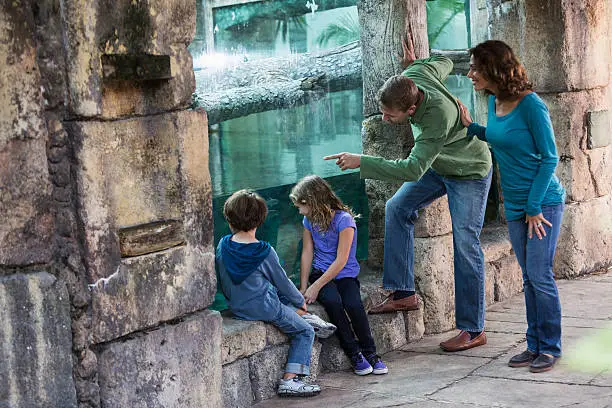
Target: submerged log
(284,82)
(276,83)
(227,17)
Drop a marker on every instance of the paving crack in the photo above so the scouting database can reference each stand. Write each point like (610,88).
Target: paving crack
(543,381)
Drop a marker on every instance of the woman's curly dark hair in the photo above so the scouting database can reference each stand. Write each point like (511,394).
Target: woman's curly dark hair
(496,61)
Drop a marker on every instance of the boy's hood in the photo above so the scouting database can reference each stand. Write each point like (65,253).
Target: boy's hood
(240,260)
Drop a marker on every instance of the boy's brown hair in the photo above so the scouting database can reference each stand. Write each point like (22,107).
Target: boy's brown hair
(245,210)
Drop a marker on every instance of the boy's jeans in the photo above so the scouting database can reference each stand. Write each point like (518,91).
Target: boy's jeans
(302,336)
(467,200)
(342,297)
(535,256)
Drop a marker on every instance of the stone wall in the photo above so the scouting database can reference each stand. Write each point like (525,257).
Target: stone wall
(106,258)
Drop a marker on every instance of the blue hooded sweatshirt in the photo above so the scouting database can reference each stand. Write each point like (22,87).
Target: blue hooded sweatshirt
(252,279)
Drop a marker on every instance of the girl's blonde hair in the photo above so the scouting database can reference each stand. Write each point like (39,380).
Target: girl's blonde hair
(314,192)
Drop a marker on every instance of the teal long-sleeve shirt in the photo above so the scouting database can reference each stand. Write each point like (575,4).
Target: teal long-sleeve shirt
(523,143)
(443,144)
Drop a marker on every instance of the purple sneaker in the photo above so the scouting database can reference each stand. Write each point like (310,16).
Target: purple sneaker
(361,365)
(377,365)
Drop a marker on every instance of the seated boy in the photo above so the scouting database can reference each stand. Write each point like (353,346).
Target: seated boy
(254,282)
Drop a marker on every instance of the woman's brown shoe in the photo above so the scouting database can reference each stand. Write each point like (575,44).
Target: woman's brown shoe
(542,363)
(523,359)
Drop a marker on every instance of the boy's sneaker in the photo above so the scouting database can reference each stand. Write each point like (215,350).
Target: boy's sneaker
(378,367)
(321,328)
(361,366)
(295,387)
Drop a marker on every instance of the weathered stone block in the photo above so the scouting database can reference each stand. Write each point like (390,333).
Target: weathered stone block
(388,331)
(127,28)
(25,204)
(434,278)
(413,321)
(585,241)
(274,336)
(236,385)
(265,368)
(25,194)
(21,111)
(241,338)
(599,129)
(150,289)
(434,220)
(508,278)
(36,352)
(495,243)
(556,29)
(316,367)
(333,358)
(140,171)
(585,173)
(176,365)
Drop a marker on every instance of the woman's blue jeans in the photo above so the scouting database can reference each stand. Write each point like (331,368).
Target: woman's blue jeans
(535,256)
(467,200)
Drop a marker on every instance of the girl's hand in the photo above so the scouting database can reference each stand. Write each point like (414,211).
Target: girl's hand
(535,224)
(311,294)
(303,289)
(466,118)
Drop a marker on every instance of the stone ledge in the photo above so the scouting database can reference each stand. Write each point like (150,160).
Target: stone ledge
(241,338)
(495,242)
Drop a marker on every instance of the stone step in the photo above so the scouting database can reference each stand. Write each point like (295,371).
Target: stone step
(254,353)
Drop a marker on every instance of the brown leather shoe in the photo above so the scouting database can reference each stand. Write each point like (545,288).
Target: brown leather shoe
(462,342)
(389,305)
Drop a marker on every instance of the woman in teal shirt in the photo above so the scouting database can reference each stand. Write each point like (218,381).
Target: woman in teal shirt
(521,136)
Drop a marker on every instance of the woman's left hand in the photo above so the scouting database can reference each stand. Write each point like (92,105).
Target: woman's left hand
(311,294)
(466,118)
(535,224)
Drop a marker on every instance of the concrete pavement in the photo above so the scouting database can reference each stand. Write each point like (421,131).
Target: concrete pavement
(422,375)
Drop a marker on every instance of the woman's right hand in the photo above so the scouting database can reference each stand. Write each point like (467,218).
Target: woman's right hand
(466,118)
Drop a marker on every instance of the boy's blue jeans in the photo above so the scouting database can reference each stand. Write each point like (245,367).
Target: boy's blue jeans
(535,256)
(467,200)
(301,334)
